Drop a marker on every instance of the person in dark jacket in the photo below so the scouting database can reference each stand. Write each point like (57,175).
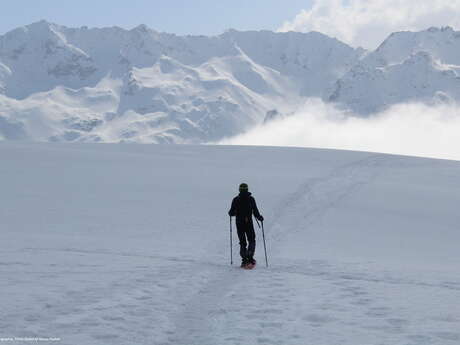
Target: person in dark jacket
(243,207)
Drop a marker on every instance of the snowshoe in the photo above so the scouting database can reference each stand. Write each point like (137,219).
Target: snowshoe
(250,265)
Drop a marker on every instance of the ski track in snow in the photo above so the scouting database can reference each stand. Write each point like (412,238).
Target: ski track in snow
(194,324)
(265,305)
(317,196)
(184,301)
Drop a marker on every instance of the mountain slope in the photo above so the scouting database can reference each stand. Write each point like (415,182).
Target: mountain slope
(408,66)
(419,78)
(110,243)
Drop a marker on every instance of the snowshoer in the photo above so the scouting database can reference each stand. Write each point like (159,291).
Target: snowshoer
(243,207)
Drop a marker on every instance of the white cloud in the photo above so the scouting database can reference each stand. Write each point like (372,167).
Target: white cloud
(367,23)
(408,129)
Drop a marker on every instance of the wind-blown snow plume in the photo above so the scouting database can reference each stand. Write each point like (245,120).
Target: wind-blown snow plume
(410,129)
(367,23)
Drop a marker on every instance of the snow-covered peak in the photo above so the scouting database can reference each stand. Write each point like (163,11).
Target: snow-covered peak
(142,28)
(40,58)
(26,39)
(313,59)
(407,66)
(39,28)
(442,44)
(367,89)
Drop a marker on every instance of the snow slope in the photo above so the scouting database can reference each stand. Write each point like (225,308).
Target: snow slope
(129,244)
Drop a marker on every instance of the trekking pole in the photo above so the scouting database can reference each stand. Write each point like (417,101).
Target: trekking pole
(263,236)
(231,246)
(265,247)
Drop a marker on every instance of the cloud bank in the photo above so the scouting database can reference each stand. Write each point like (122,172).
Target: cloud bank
(407,129)
(367,23)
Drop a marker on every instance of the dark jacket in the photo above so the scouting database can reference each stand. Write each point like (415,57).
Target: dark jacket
(243,207)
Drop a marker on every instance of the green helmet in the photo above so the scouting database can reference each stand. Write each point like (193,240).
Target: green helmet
(244,187)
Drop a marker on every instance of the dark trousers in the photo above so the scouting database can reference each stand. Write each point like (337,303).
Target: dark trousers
(247,238)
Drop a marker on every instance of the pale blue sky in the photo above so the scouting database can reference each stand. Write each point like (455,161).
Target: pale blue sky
(206,17)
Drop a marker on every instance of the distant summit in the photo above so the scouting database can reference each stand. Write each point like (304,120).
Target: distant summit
(406,67)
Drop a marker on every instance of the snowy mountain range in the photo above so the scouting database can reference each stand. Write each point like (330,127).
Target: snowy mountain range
(139,85)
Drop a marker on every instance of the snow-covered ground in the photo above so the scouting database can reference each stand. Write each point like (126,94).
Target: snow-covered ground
(129,244)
